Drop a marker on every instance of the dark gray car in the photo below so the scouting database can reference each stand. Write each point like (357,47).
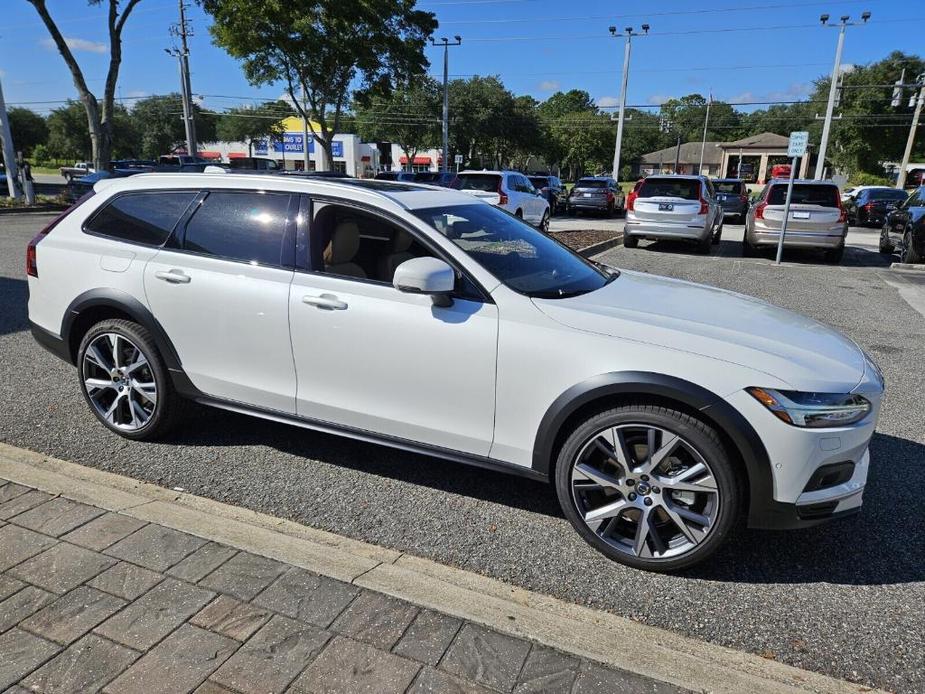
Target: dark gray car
(732,195)
(595,194)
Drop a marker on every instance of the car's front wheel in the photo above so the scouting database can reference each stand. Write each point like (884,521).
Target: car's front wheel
(544,223)
(909,254)
(125,382)
(648,486)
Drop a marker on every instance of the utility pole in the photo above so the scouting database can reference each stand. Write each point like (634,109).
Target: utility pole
(9,153)
(446,43)
(833,85)
(183,31)
(305,137)
(627,49)
(703,142)
(919,101)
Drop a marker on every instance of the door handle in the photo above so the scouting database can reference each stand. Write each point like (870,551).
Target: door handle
(326,301)
(172,276)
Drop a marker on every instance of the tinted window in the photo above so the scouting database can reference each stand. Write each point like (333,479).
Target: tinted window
(240,226)
(486,182)
(886,194)
(541,182)
(591,183)
(806,194)
(729,187)
(146,218)
(684,188)
(524,259)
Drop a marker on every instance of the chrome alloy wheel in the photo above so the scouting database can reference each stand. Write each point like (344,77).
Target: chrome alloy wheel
(645,491)
(119,382)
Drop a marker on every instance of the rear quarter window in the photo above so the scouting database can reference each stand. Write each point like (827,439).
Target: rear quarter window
(146,218)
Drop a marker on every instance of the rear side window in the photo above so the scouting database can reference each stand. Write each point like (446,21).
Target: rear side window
(684,188)
(806,194)
(485,182)
(240,226)
(143,218)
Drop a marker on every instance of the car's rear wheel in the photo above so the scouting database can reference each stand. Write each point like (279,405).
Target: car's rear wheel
(630,241)
(648,486)
(909,254)
(886,248)
(125,382)
(544,223)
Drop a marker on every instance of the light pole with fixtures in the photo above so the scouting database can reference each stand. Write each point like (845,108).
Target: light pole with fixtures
(843,24)
(446,43)
(629,34)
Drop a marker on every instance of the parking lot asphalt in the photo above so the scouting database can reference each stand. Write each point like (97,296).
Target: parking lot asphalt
(844,599)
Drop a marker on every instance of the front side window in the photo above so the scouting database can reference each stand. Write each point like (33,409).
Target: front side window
(521,257)
(249,227)
(146,218)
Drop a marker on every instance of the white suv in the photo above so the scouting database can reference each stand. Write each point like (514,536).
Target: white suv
(424,319)
(511,191)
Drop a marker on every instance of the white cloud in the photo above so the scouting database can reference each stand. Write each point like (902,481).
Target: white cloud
(138,94)
(549,85)
(657,99)
(608,101)
(76,44)
(848,68)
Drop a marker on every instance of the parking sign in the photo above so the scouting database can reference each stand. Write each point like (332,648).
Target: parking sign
(798,142)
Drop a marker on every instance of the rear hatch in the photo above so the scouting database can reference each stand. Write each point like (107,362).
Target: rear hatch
(590,190)
(673,200)
(814,207)
(486,187)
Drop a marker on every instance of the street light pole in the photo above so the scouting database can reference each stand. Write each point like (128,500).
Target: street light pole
(833,86)
(703,142)
(627,49)
(182,30)
(920,100)
(9,152)
(446,43)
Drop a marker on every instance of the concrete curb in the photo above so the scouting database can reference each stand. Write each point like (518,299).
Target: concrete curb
(907,266)
(600,636)
(601,246)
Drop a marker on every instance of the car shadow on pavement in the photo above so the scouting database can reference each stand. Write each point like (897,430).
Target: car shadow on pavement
(221,428)
(732,249)
(883,545)
(14,295)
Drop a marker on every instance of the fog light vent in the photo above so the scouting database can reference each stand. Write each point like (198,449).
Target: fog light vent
(830,475)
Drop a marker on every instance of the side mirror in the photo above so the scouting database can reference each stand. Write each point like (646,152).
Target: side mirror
(426,276)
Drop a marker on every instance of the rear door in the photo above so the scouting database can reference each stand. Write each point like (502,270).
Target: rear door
(669,201)
(222,295)
(814,207)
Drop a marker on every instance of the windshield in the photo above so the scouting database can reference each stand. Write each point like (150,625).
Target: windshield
(684,188)
(487,182)
(806,194)
(727,187)
(523,258)
(591,183)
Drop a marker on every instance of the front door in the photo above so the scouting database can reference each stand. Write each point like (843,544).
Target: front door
(376,359)
(223,298)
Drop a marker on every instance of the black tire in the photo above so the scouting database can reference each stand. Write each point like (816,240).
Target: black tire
(544,223)
(886,248)
(835,255)
(611,209)
(704,245)
(748,250)
(910,255)
(630,241)
(729,483)
(167,410)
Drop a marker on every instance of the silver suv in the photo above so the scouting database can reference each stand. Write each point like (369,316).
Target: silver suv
(817,218)
(674,207)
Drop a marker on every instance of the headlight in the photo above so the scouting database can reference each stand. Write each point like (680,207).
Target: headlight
(813,410)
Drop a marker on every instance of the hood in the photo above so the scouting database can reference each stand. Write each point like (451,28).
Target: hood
(716,323)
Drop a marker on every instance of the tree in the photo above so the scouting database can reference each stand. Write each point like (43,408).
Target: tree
(99,116)
(578,137)
(69,136)
(28,129)
(687,116)
(249,123)
(323,47)
(159,121)
(408,117)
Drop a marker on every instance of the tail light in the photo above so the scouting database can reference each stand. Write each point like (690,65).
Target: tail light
(869,206)
(759,211)
(609,196)
(743,198)
(502,196)
(704,207)
(842,212)
(32,267)
(631,200)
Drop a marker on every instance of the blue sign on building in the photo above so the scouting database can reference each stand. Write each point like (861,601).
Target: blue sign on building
(292,143)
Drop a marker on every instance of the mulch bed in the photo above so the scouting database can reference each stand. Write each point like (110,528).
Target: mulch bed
(584,238)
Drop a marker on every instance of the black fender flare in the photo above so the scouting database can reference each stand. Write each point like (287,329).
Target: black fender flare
(127,304)
(711,406)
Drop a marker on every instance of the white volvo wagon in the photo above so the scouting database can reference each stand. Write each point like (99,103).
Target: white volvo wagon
(661,411)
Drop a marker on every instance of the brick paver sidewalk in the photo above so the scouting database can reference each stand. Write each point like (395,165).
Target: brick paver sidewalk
(94,600)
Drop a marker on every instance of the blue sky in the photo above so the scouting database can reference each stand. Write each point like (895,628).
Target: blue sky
(758,51)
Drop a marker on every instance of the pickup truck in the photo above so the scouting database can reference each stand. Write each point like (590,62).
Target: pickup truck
(81,168)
